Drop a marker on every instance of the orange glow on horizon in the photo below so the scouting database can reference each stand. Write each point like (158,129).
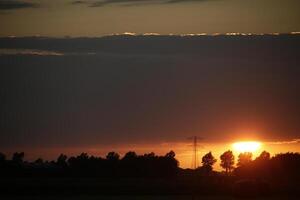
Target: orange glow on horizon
(247,146)
(183,150)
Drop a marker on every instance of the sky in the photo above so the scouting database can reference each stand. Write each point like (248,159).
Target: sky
(146,75)
(104,17)
(148,93)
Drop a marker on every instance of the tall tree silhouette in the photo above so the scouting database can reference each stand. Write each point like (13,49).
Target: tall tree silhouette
(244,159)
(170,154)
(131,155)
(227,161)
(208,160)
(18,157)
(149,155)
(62,160)
(112,156)
(2,157)
(264,156)
(171,163)
(39,161)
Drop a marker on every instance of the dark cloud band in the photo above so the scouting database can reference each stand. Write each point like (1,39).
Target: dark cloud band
(15,4)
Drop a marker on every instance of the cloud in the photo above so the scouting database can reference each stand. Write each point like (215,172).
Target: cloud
(35,52)
(184,1)
(78,2)
(15,4)
(294,141)
(148,88)
(102,3)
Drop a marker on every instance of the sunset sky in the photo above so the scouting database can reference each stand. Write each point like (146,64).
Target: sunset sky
(86,86)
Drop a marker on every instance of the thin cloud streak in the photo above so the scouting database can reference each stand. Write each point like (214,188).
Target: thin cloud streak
(294,141)
(132,2)
(29,52)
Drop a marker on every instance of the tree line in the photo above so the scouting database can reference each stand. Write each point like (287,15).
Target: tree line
(228,160)
(151,165)
(130,165)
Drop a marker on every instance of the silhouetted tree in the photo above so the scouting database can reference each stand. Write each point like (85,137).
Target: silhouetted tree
(171,164)
(149,155)
(258,168)
(251,177)
(39,161)
(130,165)
(2,157)
(83,157)
(264,156)
(112,156)
(130,155)
(2,161)
(227,161)
(244,159)
(170,154)
(208,161)
(61,159)
(18,157)
(286,166)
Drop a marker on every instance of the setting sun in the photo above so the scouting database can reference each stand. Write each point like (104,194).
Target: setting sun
(248,146)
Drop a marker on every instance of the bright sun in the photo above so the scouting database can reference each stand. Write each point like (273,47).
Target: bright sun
(247,146)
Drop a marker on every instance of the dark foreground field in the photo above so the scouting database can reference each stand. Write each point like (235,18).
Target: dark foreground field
(148,177)
(132,197)
(178,188)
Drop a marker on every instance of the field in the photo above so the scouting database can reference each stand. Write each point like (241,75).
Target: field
(129,197)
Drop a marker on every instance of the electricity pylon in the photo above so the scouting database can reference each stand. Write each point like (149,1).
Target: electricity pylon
(195,159)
